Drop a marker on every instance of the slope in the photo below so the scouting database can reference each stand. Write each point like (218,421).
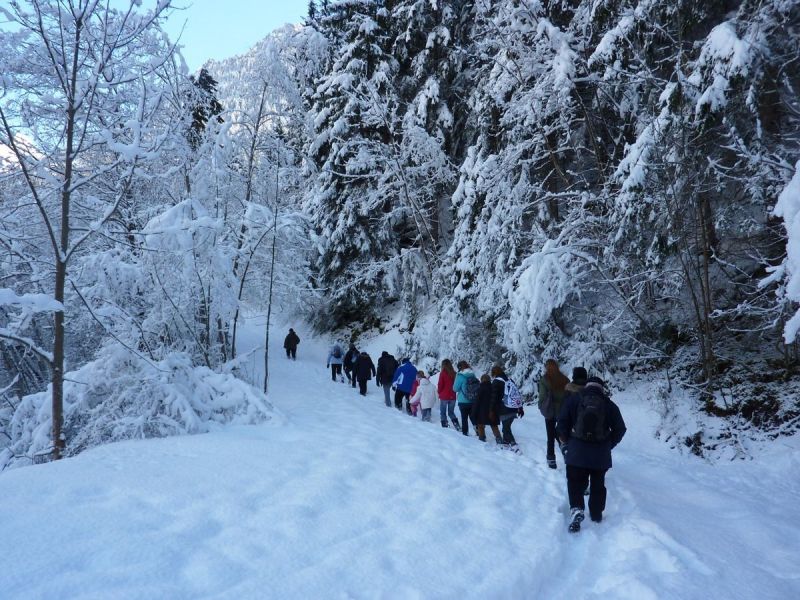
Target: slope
(345,498)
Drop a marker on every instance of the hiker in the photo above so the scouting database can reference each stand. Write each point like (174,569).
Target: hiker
(579,376)
(335,360)
(425,396)
(349,364)
(466,388)
(364,371)
(589,426)
(504,396)
(387,365)
(290,344)
(447,396)
(552,389)
(482,412)
(402,383)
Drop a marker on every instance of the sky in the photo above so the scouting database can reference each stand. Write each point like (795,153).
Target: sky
(219,29)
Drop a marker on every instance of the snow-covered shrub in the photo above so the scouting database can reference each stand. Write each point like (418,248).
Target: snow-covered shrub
(120,397)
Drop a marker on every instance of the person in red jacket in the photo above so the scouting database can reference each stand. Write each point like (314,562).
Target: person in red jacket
(447,396)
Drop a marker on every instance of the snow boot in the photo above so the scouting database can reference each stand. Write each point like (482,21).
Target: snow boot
(551,462)
(456,425)
(498,440)
(444,424)
(577,517)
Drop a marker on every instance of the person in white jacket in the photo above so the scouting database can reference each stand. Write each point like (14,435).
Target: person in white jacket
(425,395)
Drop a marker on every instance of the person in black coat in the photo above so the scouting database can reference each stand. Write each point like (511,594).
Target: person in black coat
(290,343)
(586,442)
(505,414)
(364,371)
(387,365)
(349,364)
(483,413)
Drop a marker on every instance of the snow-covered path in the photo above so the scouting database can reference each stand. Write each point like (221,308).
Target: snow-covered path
(342,497)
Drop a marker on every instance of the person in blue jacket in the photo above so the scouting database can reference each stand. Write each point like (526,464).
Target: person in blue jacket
(589,426)
(403,382)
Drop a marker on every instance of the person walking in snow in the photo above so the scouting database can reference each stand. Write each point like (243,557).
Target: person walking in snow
(502,405)
(364,371)
(290,343)
(425,397)
(466,388)
(552,389)
(335,360)
(483,413)
(349,364)
(403,383)
(589,426)
(387,365)
(447,396)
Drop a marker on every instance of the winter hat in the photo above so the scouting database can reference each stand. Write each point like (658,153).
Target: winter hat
(384,353)
(596,382)
(405,360)
(579,376)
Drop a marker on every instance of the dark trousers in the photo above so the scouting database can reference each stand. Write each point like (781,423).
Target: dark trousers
(550,425)
(335,370)
(398,398)
(351,375)
(577,479)
(508,437)
(362,386)
(465,410)
(291,353)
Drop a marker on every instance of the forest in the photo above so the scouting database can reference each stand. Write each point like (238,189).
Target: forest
(610,183)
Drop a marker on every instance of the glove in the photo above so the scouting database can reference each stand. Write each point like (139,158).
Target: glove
(520,412)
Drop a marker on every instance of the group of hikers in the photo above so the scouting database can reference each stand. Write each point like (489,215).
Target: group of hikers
(579,415)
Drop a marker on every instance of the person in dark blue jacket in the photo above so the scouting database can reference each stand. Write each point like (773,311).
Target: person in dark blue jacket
(589,426)
(403,382)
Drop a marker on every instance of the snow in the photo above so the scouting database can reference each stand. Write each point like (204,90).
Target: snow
(343,497)
(32,302)
(788,207)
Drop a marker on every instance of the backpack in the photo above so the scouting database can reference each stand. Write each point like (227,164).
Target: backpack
(471,389)
(337,351)
(511,396)
(591,424)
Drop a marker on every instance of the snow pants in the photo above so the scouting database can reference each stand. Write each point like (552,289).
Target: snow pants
(507,420)
(291,353)
(362,386)
(550,425)
(398,399)
(577,479)
(336,370)
(387,388)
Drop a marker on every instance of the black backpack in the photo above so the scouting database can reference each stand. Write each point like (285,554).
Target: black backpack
(337,351)
(591,424)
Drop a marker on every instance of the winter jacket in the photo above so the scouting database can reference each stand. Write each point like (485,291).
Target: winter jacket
(387,365)
(290,341)
(482,409)
(580,453)
(498,392)
(332,360)
(350,359)
(404,377)
(549,401)
(364,368)
(445,386)
(573,388)
(460,386)
(425,394)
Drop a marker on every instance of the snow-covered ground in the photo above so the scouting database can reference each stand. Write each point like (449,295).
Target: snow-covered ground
(342,497)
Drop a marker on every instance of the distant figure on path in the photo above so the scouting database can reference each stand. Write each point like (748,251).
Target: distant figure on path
(482,412)
(425,396)
(502,404)
(290,344)
(447,396)
(387,365)
(589,426)
(403,382)
(552,389)
(466,388)
(335,360)
(350,360)
(364,371)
